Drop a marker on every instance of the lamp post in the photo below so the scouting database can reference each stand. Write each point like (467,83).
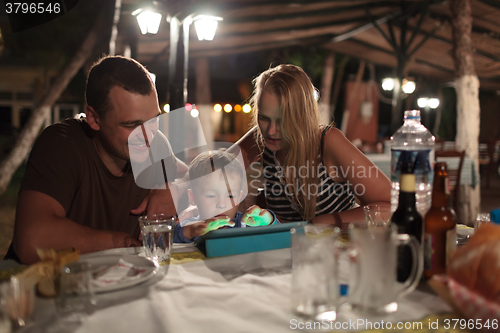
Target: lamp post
(427,104)
(400,88)
(149,19)
(177,91)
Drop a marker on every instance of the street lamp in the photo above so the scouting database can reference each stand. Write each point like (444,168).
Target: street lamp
(389,83)
(401,88)
(433,103)
(149,20)
(427,104)
(205,26)
(408,86)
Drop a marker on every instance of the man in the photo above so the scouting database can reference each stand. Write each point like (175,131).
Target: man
(79,190)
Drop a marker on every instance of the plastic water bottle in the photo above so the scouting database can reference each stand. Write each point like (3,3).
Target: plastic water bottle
(413,143)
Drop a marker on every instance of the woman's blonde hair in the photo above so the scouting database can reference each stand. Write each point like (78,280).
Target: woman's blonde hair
(299,126)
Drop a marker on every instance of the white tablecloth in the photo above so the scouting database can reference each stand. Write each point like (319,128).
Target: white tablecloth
(243,293)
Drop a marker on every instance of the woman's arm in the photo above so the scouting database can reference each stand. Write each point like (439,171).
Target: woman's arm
(346,163)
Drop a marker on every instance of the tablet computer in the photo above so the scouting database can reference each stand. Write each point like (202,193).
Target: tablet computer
(231,241)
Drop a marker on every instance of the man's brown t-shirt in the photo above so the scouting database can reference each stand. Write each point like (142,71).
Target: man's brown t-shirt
(65,165)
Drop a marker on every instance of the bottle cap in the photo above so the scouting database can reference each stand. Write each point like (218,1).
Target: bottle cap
(412,114)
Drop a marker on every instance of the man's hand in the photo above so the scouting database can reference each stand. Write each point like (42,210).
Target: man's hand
(202,227)
(256,216)
(121,239)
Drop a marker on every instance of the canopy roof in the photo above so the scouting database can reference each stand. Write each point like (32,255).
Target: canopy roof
(365,29)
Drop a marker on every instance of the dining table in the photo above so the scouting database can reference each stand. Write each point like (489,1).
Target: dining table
(239,293)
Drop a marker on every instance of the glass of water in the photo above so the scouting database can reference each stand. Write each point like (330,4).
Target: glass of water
(157,234)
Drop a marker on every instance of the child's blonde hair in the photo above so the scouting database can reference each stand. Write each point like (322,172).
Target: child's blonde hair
(207,162)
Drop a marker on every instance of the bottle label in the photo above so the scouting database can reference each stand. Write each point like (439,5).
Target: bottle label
(421,160)
(423,164)
(429,254)
(451,243)
(447,186)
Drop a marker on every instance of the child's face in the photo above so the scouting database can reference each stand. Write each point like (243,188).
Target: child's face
(214,196)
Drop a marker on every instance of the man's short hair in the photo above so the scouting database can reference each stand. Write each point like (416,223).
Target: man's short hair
(109,72)
(207,162)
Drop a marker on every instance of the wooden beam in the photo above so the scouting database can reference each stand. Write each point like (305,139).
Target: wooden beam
(259,47)
(492,3)
(377,26)
(364,27)
(297,22)
(422,42)
(312,13)
(229,42)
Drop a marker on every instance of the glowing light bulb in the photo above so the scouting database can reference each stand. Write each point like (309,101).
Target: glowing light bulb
(247,108)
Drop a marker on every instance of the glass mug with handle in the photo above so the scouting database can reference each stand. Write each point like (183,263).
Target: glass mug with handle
(315,288)
(374,254)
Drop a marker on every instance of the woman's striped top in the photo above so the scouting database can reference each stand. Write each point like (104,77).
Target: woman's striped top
(331,196)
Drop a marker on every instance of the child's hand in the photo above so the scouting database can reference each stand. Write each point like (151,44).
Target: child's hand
(256,216)
(202,227)
(217,222)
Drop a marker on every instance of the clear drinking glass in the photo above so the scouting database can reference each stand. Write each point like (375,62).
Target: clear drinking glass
(5,324)
(378,215)
(157,235)
(315,289)
(76,296)
(481,219)
(18,299)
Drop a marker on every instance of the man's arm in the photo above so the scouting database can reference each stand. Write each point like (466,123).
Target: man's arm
(41,223)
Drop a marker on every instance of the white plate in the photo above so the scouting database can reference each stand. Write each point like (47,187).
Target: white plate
(109,260)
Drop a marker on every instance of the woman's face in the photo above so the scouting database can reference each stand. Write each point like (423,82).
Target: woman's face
(269,121)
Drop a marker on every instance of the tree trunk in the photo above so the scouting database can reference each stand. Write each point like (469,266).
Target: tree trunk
(326,89)
(204,97)
(468,111)
(30,131)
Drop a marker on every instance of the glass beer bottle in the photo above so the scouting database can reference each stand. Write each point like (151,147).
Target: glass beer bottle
(440,226)
(407,218)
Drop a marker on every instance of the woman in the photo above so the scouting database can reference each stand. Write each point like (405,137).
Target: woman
(311,172)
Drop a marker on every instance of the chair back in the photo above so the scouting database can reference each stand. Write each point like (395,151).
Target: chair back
(439,144)
(489,159)
(454,173)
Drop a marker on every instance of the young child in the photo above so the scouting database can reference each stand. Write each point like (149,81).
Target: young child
(216,179)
